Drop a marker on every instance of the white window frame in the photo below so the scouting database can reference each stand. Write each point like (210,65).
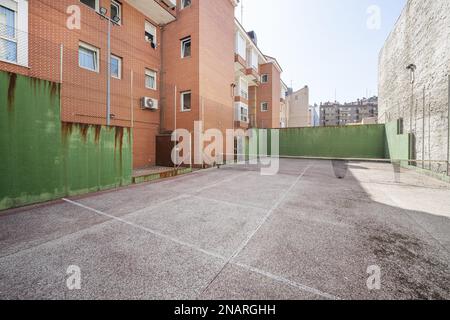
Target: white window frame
(151,28)
(183,4)
(15,38)
(183,42)
(97,55)
(243,116)
(267,78)
(182,101)
(255,59)
(243,86)
(262,107)
(151,73)
(97,5)
(119,7)
(241,45)
(119,59)
(20,7)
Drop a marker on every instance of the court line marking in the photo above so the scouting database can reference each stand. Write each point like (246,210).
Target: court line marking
(262,222)
(228,203)
(148,230)
(208,253)
(286,281)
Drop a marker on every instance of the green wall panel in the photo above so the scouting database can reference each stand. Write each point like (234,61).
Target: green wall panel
(397,145)
(366,141)
(43,159)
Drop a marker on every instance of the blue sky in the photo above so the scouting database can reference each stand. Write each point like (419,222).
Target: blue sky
(325,44)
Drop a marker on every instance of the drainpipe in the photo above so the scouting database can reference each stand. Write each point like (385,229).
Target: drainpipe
(108,86)
(161,83)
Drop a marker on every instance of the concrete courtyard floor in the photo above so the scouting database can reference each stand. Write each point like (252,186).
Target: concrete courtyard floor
(231,233)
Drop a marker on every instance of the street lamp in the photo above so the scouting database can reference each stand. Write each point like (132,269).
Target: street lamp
(111,21)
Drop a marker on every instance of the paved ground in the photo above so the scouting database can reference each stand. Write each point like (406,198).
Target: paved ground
(234,234)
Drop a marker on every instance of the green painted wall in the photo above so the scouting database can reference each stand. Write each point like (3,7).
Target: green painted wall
(397,145)
(43,159)
(334,142)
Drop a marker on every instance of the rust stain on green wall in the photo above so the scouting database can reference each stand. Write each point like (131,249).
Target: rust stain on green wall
(43,158)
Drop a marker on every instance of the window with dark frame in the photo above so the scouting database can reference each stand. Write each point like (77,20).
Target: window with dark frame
(186,98)
(116,10)
(186,47)
(185,3)
(150,34)
(91,3)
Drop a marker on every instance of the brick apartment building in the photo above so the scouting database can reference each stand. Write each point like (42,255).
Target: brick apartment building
(172,63)
(259,91)
(336,114)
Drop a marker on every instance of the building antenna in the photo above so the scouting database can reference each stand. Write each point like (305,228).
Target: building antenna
(242,12)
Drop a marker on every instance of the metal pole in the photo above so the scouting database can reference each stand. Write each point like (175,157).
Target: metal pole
(131,99)
(423,130)
(108,86)
(61,77)
(175,123)
(448,127)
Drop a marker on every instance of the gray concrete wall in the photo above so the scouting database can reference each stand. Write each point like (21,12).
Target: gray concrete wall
(420,37)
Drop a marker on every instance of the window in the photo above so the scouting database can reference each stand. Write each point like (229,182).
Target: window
(244,114)
(265,78)
(185,3)
(8,35)
(186,101)
(116,11)
(240,45)
(150,34)
(186,47)
(150,79)
(244,88)
(264,106)
(255,62)
(88,57)
(116,67)
(91,3)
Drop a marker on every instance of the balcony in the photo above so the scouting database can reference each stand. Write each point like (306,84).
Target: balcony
(160,11)
(252,76)
(239,63)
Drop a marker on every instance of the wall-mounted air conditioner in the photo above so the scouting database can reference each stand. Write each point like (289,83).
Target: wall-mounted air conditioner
(149,103)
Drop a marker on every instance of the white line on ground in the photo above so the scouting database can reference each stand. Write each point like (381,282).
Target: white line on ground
(228,203)
(219,182)
(269,213)
(206,252)
(148,230)
(287,281)
(262,222)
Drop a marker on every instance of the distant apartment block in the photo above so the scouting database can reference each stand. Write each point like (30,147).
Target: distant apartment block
(299,111)
(336,114)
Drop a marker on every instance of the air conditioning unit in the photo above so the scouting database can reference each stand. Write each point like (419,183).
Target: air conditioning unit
(149,103)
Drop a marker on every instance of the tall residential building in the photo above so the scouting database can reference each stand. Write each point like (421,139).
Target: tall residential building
(147,66)
(336,114)
(258,84)
(299,111)
(50,44)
